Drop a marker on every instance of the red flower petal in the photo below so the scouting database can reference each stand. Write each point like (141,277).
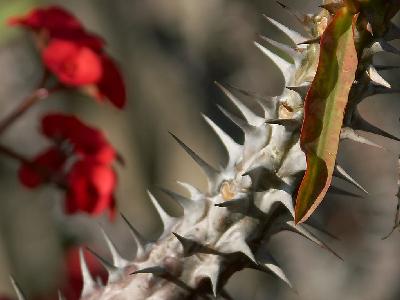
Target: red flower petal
(59,23)
(73,64)
(90,187)
(47,162)
(59,126)
(92,143)
(50,18)
(111,84)
(87,141)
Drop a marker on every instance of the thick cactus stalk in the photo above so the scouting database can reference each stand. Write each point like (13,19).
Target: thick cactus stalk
(227,227)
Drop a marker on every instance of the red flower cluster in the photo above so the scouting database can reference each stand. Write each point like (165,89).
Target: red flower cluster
(74,55)
(79,160)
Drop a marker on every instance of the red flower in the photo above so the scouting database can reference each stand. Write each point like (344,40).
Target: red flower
(74,55)
(91,187)
(86,141)
(53,19)
(59,126)
(111,84)
(81,158)
(72,63)
(46,163)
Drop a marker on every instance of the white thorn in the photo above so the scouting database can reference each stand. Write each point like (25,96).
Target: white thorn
(118,261)
(248,114)
(234,241)
(341,173)
(267,261)
(295,55)
(285,67)
(379,46)
(376,77)
(242,124)
(304,232)
(166,219)
(60,295)
(296,37)
(195,194)
(17,289)
(114,273)
(139,240)
(187,204)
(351,134)
(89,284)
(209,171)
(211,270)
(234,150)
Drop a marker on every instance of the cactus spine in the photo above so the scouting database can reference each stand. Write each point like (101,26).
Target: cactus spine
(227,227)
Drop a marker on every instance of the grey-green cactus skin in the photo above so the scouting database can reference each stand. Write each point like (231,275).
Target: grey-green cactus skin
(227,227)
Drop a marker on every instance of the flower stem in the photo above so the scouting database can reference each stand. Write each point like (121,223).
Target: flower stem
(4,150)
(29,101)
(51,177)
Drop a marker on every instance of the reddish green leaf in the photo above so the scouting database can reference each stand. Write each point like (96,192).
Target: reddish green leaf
(325,104)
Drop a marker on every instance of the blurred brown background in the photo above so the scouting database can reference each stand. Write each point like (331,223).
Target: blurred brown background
(171,51)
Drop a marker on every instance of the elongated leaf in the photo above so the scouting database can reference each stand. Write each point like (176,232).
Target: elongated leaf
(325,104)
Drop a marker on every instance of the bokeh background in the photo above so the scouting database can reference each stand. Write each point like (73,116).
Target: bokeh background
(171,52)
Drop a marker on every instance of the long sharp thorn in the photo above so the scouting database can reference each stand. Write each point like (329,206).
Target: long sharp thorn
(293,35)
(380,46)
(118,261)
(376,77)
(113,272)
(359,123)
(166,219)
(243,125)
(191,247)
(299,229)
(237,244)
(60,296)
(207,169)
(317,226)
(248,93)
(234,149)
(301,90)
(284,66)
(295,55)
(185,203)
(89,284)
(268,263)
(341,173)
(157,271)
(338,191)
(350,134)
(194,193)
(316,40)
(139,240)
(17,289)
(248,114)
